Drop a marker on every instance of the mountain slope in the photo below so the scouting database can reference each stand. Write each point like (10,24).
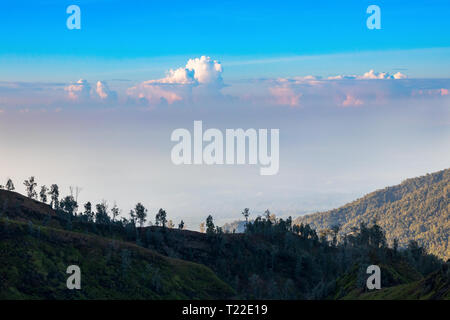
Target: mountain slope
(436,286)
(35,258)
(417,209)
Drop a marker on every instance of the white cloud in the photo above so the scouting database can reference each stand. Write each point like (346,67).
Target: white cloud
(178,83)
(104,92)
(370,75)
(284,95)
(79,90)
(154,94)
(399,75)
(206,71)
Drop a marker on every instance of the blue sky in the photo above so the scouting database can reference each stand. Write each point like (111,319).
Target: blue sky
(357,109)
(113,31)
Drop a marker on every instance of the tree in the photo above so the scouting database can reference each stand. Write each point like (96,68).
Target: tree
(88,211)
(30,185)
(202,227)
(43,194)
(161,218)
(141,214)
(101,214)
(335,229)
(54,195)
(170,224)
(132,216)
(181,225)
(115,211)
(246,214)
(10,185)
(267,215)
(69,205)
(210,225)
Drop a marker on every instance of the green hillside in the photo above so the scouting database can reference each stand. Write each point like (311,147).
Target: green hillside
(417,209)
(34,261)
(436,286)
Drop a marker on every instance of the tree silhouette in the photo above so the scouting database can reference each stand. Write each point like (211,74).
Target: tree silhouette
(141,214)
(10,185)
(210,229)
(181,225)
(30,186)
(54,195)
(69,205)
(161,218)
(43,194)
(115,211)
(246,214)
(88,211)
(101,214)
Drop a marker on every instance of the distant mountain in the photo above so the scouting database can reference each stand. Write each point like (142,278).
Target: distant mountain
(417,209)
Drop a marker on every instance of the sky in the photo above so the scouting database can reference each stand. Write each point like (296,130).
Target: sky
(357,109)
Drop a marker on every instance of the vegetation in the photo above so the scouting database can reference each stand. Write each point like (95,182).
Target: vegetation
(418,209)
(273,258)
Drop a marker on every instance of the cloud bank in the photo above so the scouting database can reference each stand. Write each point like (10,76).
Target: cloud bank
(178,84)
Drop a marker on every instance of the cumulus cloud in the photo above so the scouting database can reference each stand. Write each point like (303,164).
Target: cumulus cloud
(381,75)
(104,92)
(206,70)
(341,90)
(284,95)
(147,92)
(201,70)
(370,75)
(178,83)
(351,101)
(80,90)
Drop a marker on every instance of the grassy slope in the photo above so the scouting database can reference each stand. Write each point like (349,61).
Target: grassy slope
(34,261)
(435,286)
(417,209)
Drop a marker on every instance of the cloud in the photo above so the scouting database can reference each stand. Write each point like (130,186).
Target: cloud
(178,84)
(370,75)
(381,75)
(284,95)
(149,93)
(206,71)
(431,92)
(201,70)
(104,92)
(80,90)
(340,90)
(351,101)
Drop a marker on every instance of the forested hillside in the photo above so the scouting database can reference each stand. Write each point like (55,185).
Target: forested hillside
(124,259)
(417,209)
